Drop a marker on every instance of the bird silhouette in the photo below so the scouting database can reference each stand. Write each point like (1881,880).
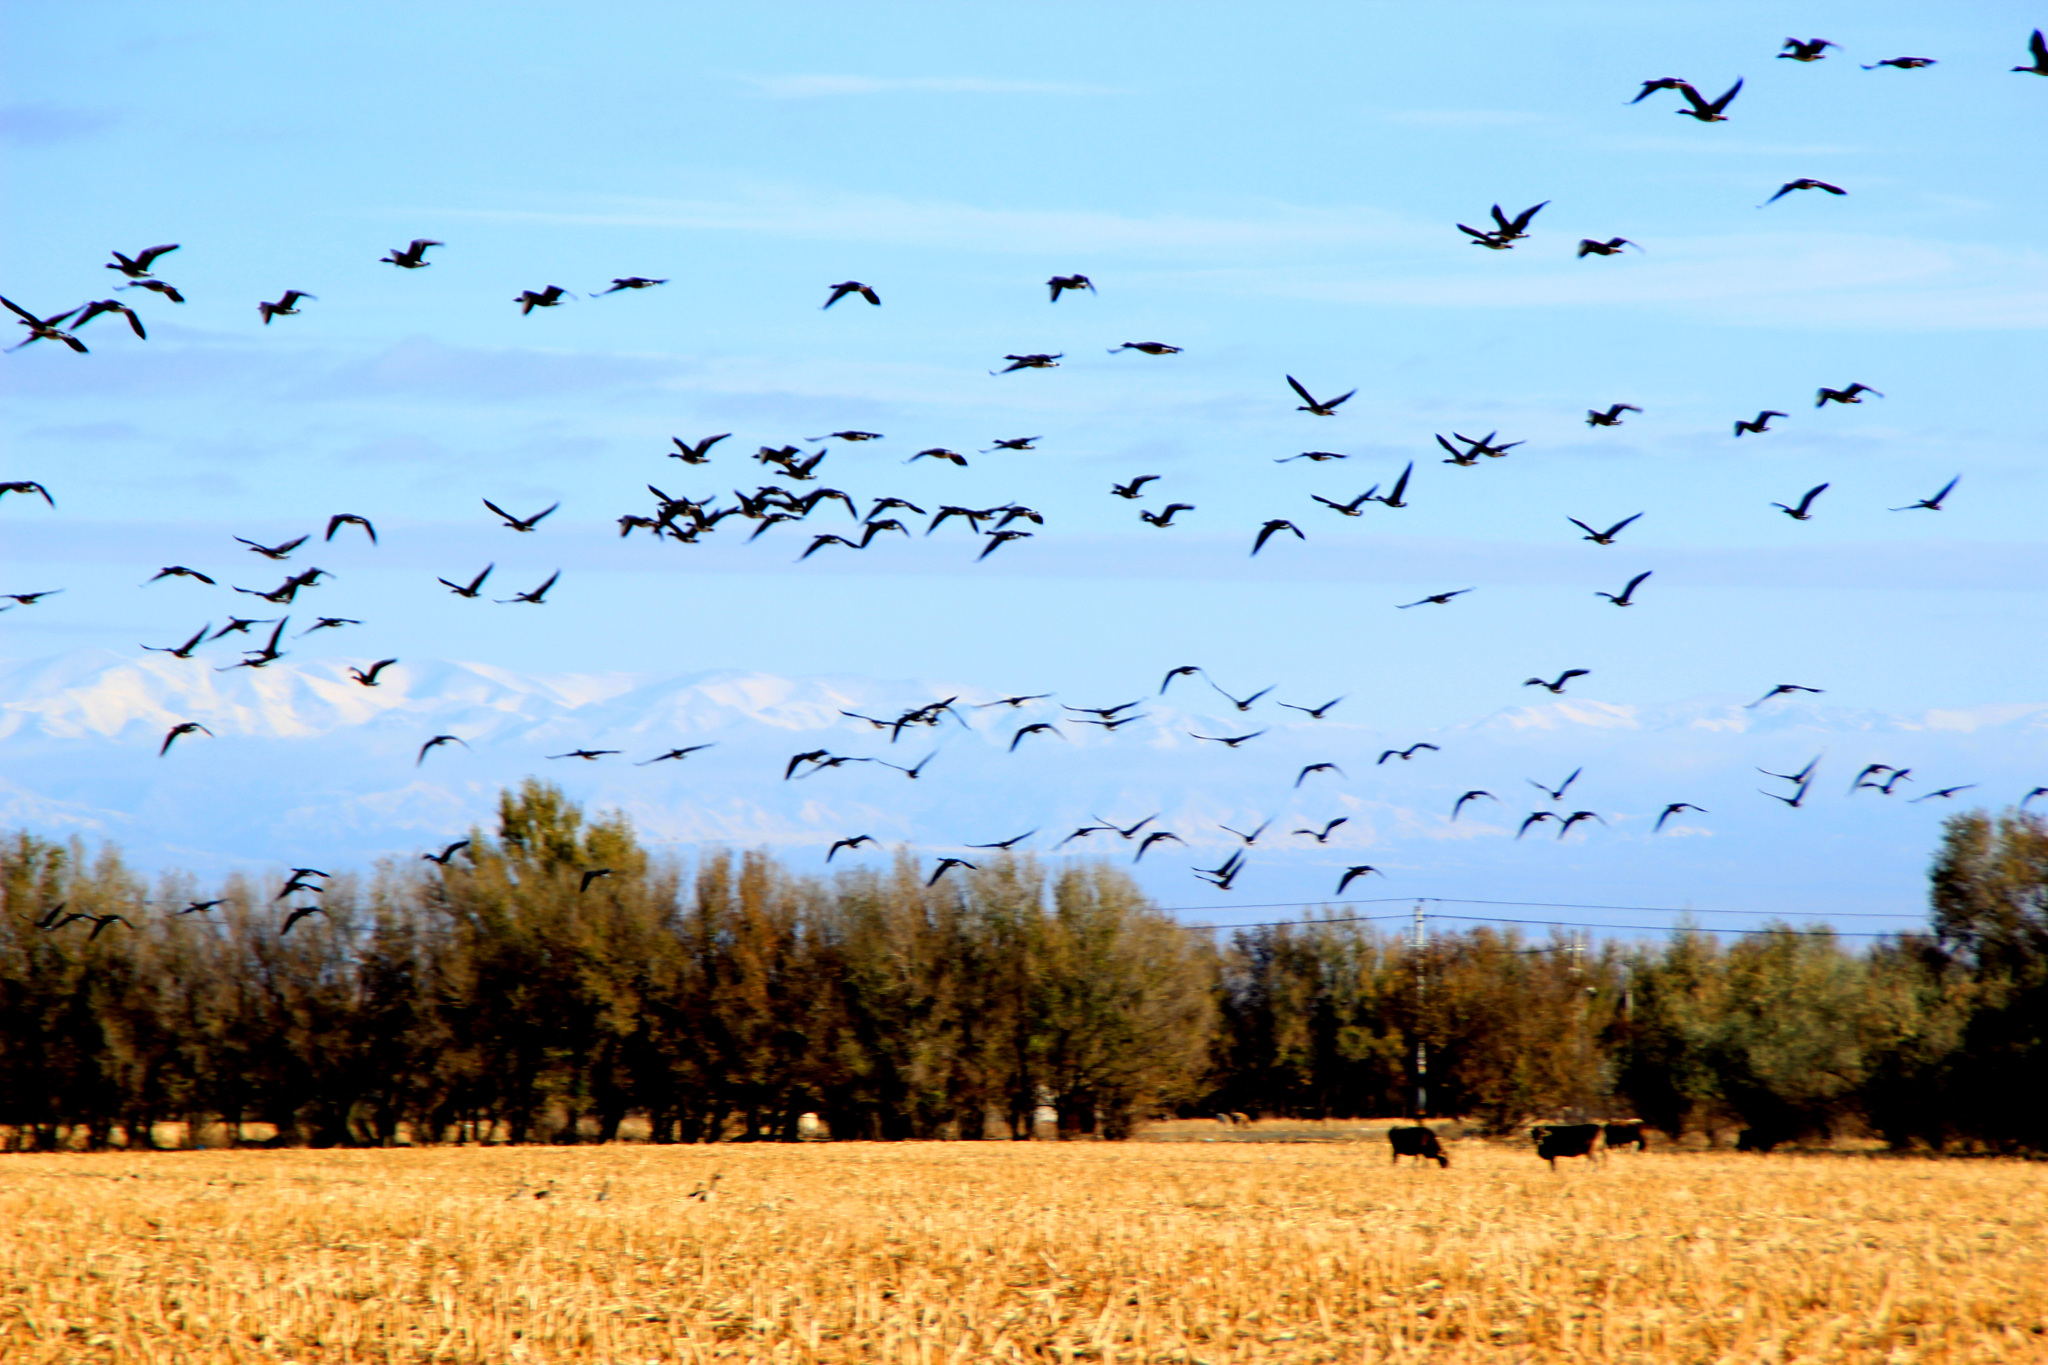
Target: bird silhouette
(1184,671)
(138,267)
(699,453)
(1309,402)
(1795,801)
(1249,839)
(537,596)
(1803,512)
(1302,776)
(1273,528)
(911,773)
(2038,46)
(169,291)
(1084,832)
(550,297)
(446,853)
(939,453)
(286,307)
(1611,417)
(1060,284)
(1538,818)
(2038,791)
(183,727)
(1759,426)
(201,907)
(1400,489)
(1435,599)
(1471,796)
(1932,504)
(411,257)
(1228,742)
(436,742)
(1674,808)
(298,913)
(997,539)
(1352,508)
(369,679)
(1014,443)
(100,307)
(676,753)
(341,519)
(1222,877)
(101,923)
(1565,825)
(1034,361)
(586,754)
(474,585)
(947,865)
(331,623)
(1038,728)
(27,599)
(1804,775)
(1313,712)
(1910,63)
(1704,110)
(1007,844)
(1853,394)
(1806,50)
(848,844)
(1611,247)
(1555,793)
(262,658)
(592,874)
(847,436)
(1782,689)
(1607,536)
(1626,597)
(1156,836)
(519,523)
(1133,489)
(1014,702)
(26,487)
(282,551)
(1164,517)
(1651,87)
(183,651)
(1244,704)
(1406,754)
(1802,183)
(50,328)
(1352,874)
(1148,347)
(1322,836)
(1944,793)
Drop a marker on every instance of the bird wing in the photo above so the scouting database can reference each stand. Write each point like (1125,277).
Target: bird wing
(1633,583)
(501,512)
(1616,528)
(1292,382)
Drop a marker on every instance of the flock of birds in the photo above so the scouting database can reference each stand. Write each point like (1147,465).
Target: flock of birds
(686,520)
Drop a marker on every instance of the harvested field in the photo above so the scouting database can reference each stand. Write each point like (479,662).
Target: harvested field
(1178,1251)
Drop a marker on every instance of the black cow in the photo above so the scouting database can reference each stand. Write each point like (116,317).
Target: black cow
(1628,1134)
(1417,1142)
(1567,1139)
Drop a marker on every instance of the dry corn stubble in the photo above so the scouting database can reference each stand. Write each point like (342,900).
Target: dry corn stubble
(998,1251)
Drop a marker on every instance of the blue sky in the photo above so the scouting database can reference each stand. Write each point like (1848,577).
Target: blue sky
(1275,191)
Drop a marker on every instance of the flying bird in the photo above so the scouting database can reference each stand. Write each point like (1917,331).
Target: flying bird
(1565,826)
(183,651)
(947,865)
(1555,793)
(1225,741)
(1249,839)
(1134,488)
(629,282)
(1352,508)
(585,753)
(282,551)
(1538,818)
(1556,688)
(138,268)
(330,623)
(1014,443)
(1404,754)
(341,519)
(997,539)
(25,487)
(1703,110)
(1393,499)
(474,586)
(1245,704)
(201,907)
(445,854)
(1803,512)
(412,257)
(1806,50)
(1932,504)
(1273,528)
(1611,417)
(1060,284)
(1804,775)
(550,297)
(1352,874)
(369,679)
(298,913)
(1626,597)
(180,571)
(1435,599)
(847,436)
(1605,537)
(45,329)
(1014,702)
(100,306)
(1852,394)
(1040,727)
(1782,689)
(27,599)
(676,753)
(183,727)
(1471,796)
(700,453)
(848,844)
(1910,63)
(436,742)
(1222,877)
(1674,808)
(518,523)
(1164,517)
(939,453)
(539,595)
(169,291)
(2038,46)
(1007,844)
(1034,361)
(1802,183)
(1796,800)
(2038,791)
(1302,776)
(1651,87)
(592,874)
(1153,838)
(1313,712)
(1309,402)
(1611,247)
(286,307)
(1944,792)
(1760,425)
(101,923)
(1148,347)
(1322,836)
(1184,671)
(1313,456)
(842,289)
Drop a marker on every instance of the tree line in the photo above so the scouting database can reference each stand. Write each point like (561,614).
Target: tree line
(506,996)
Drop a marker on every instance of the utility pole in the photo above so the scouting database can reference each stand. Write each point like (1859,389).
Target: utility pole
(1418,944)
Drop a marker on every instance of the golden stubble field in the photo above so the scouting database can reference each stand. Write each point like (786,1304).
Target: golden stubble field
(1176,1251)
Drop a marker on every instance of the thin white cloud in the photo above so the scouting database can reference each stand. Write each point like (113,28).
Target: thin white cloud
(820,87)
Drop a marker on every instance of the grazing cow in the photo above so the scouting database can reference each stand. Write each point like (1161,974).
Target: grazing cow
(1567,1139)
(1418,1142)
(1628,1133)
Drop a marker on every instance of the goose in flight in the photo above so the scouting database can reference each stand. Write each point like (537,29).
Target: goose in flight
(1611,417)
(1249,839)
(286,307)
(1803,512)
(1156,836)
(1014,443)
(180,571)
(1222,877)
(45,329)
(1313,712)
(1907,63)
(1404,754)
(341,519)
(1674,808)
(1302,776)
(1565,826)
(156,287)
(550,297)
(1273,528)
(1060,284)
(947,865)
(1147,347)
(2038,46)
(1611,247)
(1184,671)
(1242,705)
(183,651)
(1309,402)
(1322,836)
(1652,87)
(436,742)
(587,754)
(26,487)
(1556,793)
(138,267)
(997,539)
(1853,394)
(1932,504)
(676,753)
(1164,517)
(100,306)
(369,679)
(29,599)
(1805,50)
(1038,728)
(539,595)
(1035,361)
(330,623)
(1708,111)
(1760,425)
(1014,702)
(629,282)
(848,844)
(474,586)
(1007,844)
(445,854)
(1605,537)
(183,727)
(700,453)
(1352,874)
(1135,488)
(1626,597)
(1227,741)
(518,523)
(1393,499)
(298,913)
(412,257)
(1471,796)
(1782,689)
(1538,818)
(939,453)
(283,551)
(1352,508)
(1945,792)
(845,287)
(1556,687)
(1795,801)
(1316,456)
(1434,599)
(1802,183)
